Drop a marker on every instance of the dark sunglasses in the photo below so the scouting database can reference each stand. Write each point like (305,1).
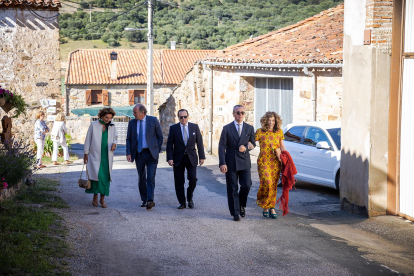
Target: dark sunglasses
(183,117)
(240,112)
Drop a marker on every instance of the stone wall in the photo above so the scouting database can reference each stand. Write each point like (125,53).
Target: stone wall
(236,86)
(29,62)
(118,95)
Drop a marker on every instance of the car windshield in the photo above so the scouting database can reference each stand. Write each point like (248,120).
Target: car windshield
(336,136)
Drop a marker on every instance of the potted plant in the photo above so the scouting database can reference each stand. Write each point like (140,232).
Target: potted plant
(8,101)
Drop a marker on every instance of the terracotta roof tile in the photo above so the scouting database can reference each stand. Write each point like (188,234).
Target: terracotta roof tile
(94,66)
(45,4)
(176,63)
(318,39)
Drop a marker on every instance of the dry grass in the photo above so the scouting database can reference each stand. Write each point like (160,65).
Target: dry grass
(73,45)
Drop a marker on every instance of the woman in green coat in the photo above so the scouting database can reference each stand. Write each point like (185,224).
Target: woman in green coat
(100,144)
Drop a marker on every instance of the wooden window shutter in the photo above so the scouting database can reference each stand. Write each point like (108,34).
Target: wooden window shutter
(105,97)
(131,96)
(88,97)
(145,97)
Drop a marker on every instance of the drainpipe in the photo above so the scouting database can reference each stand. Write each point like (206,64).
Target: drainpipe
(210,107)
(313,91)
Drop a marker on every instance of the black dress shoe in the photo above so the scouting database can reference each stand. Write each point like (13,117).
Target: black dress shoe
(242,211)
(191,204)
(236,218)
(150,204)
(144,204)
(182,206)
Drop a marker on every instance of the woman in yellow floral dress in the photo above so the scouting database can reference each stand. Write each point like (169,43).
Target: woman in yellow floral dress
(270,138)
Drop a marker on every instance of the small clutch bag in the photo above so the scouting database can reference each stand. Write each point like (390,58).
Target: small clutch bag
(84,183)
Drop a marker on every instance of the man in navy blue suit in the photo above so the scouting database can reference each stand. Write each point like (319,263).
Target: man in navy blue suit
(143,144)
(236,140)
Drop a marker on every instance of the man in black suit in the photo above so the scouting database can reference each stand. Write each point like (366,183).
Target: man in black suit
(236,140)
(143,144)
(182,154)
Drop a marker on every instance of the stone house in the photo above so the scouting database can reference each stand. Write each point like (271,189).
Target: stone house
(295,71)
(377,149)
(29,56)
(118,78)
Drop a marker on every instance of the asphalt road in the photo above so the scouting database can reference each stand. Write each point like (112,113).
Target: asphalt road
(125,239)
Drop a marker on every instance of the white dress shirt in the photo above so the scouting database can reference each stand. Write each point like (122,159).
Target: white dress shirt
(237,126)
(144,141)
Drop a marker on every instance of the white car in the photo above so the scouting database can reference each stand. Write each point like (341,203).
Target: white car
(315,148)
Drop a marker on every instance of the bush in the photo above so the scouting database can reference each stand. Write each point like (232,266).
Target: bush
(112,42)
(84,5)
(16,162)
(75,37)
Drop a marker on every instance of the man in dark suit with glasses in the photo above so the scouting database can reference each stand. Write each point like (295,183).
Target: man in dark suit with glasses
(182,154)
(236,140)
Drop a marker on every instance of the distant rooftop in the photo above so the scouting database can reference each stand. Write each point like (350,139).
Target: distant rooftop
(94,66)
(40,4)
(318,39)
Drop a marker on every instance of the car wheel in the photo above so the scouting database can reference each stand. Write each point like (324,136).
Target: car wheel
(337,180)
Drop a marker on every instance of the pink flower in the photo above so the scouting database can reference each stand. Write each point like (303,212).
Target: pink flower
(5,185)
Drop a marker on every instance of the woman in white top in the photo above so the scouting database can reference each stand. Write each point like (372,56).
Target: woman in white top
(40,135)
(58,137)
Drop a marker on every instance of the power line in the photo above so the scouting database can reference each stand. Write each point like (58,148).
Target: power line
(41,17)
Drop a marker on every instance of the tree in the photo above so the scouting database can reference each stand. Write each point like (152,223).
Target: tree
(84,5)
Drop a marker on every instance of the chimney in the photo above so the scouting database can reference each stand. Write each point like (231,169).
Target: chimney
(172,45)
(114,68)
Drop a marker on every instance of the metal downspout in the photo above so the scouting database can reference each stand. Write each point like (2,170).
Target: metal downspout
(313,91)
(210,107)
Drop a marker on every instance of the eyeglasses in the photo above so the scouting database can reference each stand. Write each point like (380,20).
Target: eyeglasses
(240,112)
(183,117)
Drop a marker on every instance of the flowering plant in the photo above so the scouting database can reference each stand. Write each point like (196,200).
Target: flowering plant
(15,100)
(4,184)
(17,162)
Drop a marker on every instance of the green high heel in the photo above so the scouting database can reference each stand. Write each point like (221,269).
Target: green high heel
(273,216)
(266,214)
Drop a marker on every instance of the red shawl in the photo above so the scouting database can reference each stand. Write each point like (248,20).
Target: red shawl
(288,180)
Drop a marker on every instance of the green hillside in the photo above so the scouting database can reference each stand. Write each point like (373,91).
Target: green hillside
(194,24)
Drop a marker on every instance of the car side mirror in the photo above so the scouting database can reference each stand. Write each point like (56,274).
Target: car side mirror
(323,145)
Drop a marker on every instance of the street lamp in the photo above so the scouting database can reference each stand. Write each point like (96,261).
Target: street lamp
(150,92)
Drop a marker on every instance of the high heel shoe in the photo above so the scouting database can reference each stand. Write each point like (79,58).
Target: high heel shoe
(102,201)
(103,205)
(273,216)
(266,214)
(95,201)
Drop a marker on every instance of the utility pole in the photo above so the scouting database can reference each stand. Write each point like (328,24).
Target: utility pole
(150,92)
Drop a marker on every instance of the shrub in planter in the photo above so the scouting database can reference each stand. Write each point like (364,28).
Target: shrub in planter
(8,101)
(17,162)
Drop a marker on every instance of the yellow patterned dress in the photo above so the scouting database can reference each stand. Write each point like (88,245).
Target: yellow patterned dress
(268,167)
